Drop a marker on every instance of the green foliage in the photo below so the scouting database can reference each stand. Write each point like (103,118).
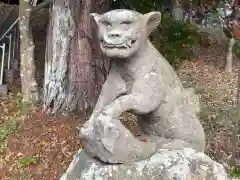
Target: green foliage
(235,172)
(236,48)
(6,129)
(174,39)
(11,124)
(171,35)
(143,6)
(26,161)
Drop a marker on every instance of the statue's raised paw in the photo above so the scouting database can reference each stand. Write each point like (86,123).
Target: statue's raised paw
(110,141)
(111,111)
(86,130)
(93,124)
(105,115)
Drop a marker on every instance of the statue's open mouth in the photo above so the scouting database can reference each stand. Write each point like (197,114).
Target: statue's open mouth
(124,45)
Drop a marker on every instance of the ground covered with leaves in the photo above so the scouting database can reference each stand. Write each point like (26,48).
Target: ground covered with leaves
(35,145)
(217,92)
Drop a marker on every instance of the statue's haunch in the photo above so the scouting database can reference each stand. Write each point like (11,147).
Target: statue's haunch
(142,81)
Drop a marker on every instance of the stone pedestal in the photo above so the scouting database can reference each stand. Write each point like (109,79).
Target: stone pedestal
(163,165)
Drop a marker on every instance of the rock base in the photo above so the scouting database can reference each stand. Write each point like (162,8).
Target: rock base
(165,164)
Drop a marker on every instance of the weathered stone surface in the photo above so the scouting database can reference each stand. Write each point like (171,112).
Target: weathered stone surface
(186,164)
(142,81)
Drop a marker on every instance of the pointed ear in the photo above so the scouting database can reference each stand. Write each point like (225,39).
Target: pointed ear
(96,17)
(152,20)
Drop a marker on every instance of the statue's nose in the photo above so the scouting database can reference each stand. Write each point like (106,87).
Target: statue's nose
(114,34)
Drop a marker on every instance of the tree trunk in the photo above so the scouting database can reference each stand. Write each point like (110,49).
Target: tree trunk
(177,11)
(27,67)
(229,55)
(75,68)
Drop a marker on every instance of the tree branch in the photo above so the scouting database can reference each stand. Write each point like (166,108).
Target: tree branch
(41,5)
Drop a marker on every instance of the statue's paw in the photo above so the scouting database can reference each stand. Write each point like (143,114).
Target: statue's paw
(86,130)
(106,115)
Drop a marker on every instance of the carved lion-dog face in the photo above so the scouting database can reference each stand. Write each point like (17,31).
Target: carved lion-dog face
(123,32)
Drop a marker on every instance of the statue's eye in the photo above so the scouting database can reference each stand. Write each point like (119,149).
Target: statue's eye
(106,23)
(126,22)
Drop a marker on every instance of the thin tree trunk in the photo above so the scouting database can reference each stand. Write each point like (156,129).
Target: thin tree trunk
(74,82)
(229,55)
(177,11)
(27,67)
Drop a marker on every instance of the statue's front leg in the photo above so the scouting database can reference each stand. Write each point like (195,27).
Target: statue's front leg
(147,94)
(111,141)
(112,88)
(137,102)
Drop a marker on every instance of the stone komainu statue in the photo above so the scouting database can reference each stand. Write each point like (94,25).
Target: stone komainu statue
(142,81)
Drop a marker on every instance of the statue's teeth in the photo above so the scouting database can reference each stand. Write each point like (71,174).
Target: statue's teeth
(129,44)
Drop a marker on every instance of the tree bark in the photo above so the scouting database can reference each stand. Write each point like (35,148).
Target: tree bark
(177,11)
(75,68)
(27,67)
(42,5)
